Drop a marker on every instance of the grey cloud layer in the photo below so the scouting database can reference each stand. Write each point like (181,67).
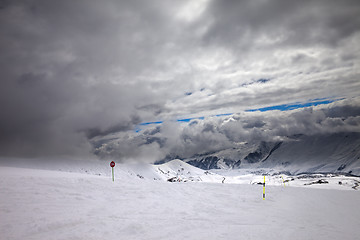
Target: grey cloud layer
(75,70)
(214,134)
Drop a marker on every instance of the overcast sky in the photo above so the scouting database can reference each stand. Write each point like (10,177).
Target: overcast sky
(75,70)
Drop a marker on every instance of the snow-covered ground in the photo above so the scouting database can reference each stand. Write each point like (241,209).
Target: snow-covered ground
(141,204)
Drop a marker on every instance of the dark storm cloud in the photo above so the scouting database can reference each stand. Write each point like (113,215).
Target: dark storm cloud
(69,66)
(76,71)
(120,127)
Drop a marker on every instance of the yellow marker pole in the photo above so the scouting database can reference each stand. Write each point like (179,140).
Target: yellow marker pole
(283,180)
(264,189)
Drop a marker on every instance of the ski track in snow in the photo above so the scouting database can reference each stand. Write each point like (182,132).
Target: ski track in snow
(40,204)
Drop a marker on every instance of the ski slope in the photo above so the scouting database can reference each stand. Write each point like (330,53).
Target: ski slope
(43,204)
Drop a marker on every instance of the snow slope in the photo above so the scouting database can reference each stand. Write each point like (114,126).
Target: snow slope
(327,153)
(42,204)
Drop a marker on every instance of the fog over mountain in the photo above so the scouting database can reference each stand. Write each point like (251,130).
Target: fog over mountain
(150,81)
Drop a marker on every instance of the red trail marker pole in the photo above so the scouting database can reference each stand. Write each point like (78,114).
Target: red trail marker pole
(112,165)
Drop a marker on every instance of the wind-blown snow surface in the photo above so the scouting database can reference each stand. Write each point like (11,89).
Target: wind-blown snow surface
(42,204)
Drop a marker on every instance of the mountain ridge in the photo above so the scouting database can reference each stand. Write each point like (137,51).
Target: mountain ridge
(338,152)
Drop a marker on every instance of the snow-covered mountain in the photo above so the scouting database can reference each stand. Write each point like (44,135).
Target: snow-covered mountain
(295,154)
(338,152)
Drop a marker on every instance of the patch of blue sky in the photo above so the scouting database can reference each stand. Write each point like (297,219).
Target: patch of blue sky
(149,123)
(181,120)
(288,107)
(189,119)
(325,98)
(262,80)
(223,114)
(283,107)
(139,129)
